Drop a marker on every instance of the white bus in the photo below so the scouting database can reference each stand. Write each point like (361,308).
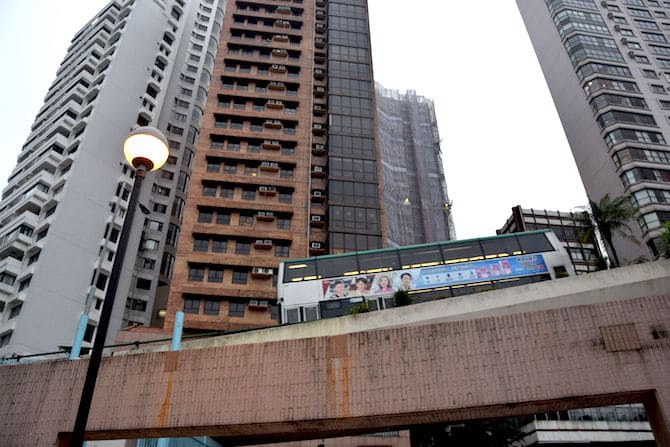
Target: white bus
(331,285)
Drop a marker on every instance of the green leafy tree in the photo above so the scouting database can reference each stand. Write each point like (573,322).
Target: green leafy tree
(610,217)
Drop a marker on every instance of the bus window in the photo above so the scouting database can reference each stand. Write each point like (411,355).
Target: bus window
(378,262)
(299,270)
(534,243)
(420,256)
(500,246)
(310,313)
(461,251)
(292,316)
(337,266)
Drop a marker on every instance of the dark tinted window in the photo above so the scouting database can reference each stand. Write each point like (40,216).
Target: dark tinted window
(294,270)
(461,251)
(535,243)
(331,267)
(376,261)
(420,255)
(500,246)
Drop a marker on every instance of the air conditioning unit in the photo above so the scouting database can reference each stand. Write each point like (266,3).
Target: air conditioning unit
(258,304)
(320,146)
(316,218)
(261,271)
(315,245)
(317,193)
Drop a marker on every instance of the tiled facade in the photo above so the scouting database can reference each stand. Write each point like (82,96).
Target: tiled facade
(134,63)
(287,163)
(607,65)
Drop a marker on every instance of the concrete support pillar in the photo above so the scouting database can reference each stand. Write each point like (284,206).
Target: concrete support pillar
(657,407)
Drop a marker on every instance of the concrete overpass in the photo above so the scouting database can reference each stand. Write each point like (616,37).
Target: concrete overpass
(576,342)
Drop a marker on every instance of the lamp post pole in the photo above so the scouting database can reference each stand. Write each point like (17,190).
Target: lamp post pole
(142,163)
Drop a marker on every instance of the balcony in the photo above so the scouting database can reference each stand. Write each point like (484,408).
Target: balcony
(277,86)
(269,166)
(273,145)
(319,149)
(316,248)
(319,109)
(320,14)
(264,216)
(317,220)
(319,74)
(274,104)
(276,68)
(320,42)
(282,23)
(14,243)
(273,124)
(280,38)
(279,52)
(261,273)
(318,195)
(319,92)
(267,191)
(263,244)
(320,28)
(11,265)
(285,10)
(318,129)
(318,171)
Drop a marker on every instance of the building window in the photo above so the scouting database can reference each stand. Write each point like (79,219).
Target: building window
(6,278)
(215,274)
(284,223)
(285,197)
(212,307)
(144,284)
(227,192)
(219,246)
(222,218)
(235,309)
(4,339)
(239,277)
(209,191)
(196,273)
(249,194)
(15,311)
(200,244)
(281,250)
(205,217)
(191,306)
(243,248)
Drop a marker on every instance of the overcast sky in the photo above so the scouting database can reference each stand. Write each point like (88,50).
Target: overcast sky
(503,144)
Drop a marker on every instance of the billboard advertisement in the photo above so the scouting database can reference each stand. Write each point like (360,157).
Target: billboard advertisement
(431,277)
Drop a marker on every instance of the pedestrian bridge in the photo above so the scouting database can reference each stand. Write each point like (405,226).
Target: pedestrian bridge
(576,342)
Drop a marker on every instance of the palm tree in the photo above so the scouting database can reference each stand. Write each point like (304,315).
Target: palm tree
(664,241)
(609,216)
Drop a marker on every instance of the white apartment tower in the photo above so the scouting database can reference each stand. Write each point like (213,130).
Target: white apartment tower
(137,62)
(607,65)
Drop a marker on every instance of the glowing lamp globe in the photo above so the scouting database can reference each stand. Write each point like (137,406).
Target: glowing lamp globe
(146,148)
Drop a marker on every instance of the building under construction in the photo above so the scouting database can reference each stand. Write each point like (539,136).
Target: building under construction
(415,191)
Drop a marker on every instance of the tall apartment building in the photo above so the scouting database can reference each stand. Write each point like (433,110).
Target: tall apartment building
(135,63)
(583,253)
(416,202)
(607,64)
(287,164)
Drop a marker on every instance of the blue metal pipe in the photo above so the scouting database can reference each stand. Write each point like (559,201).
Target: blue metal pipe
(79,336)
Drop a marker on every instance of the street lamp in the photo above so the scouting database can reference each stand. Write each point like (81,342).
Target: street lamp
(145,149)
